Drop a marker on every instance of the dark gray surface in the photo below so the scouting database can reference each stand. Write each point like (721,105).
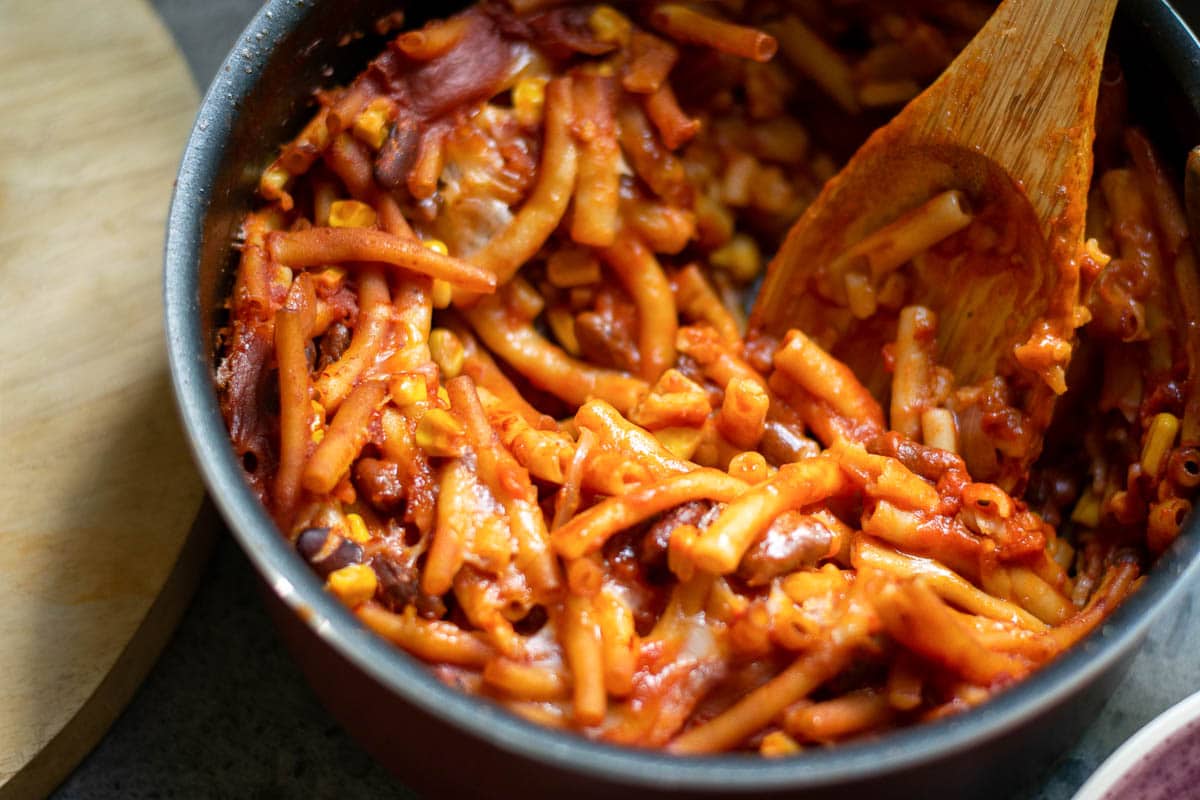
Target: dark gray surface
(225,713)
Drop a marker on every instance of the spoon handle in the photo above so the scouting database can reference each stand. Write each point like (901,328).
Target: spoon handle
(1023,93)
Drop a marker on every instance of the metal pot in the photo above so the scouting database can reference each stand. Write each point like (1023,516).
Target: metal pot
(445,742)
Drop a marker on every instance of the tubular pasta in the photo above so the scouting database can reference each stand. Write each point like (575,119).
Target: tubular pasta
(293,324)
(541,213)
(545,365)
(337,380)
(589,530)
(320,246)
(486,361)
(686,25)
(345,438)
(650,61)
(595,217)
(643,278)
(796,485)
(827,379)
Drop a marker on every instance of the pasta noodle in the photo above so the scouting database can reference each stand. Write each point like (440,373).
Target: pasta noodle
(487,365)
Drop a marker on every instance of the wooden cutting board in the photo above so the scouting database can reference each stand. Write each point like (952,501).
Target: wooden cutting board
(97,489)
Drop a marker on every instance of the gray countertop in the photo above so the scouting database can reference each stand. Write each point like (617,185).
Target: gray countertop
(225,712)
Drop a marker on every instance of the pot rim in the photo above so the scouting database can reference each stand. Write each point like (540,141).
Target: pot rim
(292,580)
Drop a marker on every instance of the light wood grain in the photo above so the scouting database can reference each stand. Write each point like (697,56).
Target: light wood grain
(98,490)
(1023,92)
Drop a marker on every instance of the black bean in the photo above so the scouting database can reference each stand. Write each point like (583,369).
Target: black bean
(314,546)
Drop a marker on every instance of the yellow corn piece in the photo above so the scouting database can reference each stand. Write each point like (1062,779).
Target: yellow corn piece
(740,258)
(356,529)
(353,584)
(437,246)
(609,25)
(682,442)
(441,294)
(371,126)
(283,276)
(447,352)
(528,99)
(440,434)
(443,397)
(330,277)
(317,426)
(1163,429)
(600,69)
(407,389)
(350,214)
(778,743)
(1087,510)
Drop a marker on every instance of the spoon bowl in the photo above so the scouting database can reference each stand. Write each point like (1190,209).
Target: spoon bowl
(1008,130)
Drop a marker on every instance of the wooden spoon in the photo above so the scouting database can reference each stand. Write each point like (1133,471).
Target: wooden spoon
(1010,126)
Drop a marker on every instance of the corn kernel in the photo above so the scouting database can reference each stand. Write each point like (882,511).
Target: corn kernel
(442,293)
(353,584)
(447,352)
(600,69)
(317,425)
(408,389)
(329,278)
(443,397)
(371,125)
(610,26)
(356,529)
(776,744)
(437,246)
(283,277)
(1087,510)
(439,434)
(351,214)
(740,258)
(528,99)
